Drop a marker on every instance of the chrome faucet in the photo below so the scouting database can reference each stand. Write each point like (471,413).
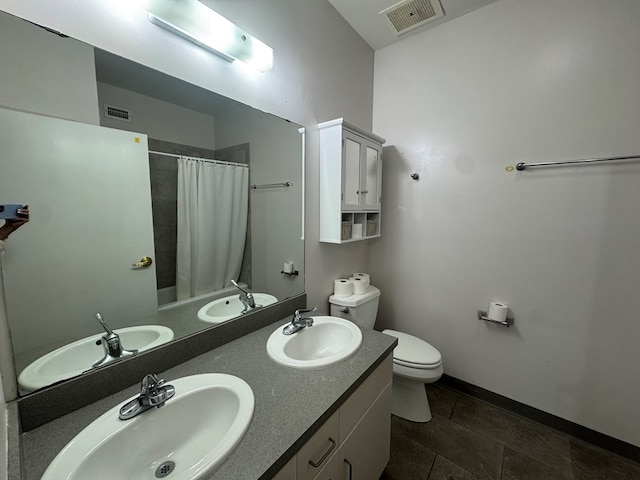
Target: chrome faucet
(153,393)
(298,322)
(246,297)
(111,344)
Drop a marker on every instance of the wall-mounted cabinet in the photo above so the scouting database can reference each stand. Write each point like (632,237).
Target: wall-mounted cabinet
(350,182)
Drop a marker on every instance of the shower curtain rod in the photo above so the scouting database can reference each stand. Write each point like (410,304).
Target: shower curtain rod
(206,160)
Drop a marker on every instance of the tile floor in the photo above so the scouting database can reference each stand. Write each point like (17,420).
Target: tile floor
(469,439)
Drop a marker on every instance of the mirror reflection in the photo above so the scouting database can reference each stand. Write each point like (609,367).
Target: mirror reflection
(144,219)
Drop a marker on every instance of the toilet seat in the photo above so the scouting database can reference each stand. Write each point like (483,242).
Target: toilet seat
(413,352)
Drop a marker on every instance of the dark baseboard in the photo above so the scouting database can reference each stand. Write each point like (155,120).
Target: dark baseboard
(601,440)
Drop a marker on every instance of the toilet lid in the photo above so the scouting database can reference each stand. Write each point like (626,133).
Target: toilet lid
(413,352)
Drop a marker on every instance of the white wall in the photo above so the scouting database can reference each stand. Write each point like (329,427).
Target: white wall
(323,70)
(158,119)
(518,81)
(44,73)
(275,212)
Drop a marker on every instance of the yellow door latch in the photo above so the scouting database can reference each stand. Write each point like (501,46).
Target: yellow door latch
(144,262)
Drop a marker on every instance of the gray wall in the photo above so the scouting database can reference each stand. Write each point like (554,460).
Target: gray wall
(518,81)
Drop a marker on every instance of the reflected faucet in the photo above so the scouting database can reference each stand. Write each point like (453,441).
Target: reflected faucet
(111,343)
(153,393)
(246,297)
(298,322)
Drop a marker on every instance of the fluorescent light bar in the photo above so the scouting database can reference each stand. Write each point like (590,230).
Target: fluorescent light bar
(208,29)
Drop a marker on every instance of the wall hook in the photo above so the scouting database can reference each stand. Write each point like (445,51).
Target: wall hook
(415,176)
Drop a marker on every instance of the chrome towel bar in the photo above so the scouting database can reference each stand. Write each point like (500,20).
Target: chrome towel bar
(523,166)
(273,185)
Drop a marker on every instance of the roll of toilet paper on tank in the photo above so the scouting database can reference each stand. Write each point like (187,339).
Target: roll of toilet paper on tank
(498,311)
(359,285)
(343,287)
(363,276)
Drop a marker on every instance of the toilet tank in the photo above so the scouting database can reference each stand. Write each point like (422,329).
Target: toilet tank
(360,309)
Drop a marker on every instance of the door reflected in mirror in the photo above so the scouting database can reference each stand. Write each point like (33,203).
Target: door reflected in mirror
(167,174)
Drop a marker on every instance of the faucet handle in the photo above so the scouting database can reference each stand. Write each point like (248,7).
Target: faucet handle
(304,310)
(103,324)
(150,382)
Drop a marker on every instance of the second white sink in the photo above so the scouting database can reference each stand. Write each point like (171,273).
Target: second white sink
(230,307)
(329,340)
(79,356)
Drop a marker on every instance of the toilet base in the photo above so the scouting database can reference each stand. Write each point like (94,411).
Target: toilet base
(410,400)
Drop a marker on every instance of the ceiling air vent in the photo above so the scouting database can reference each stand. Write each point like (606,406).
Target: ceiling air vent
(118,113)
(409,14)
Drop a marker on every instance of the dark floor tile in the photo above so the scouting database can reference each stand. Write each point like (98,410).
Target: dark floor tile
(444,469)
(595,464)
(441,399)
(465,448)
(517,466)
(410,460)
(532,439)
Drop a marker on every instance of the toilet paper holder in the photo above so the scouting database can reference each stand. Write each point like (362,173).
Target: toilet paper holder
(482,315)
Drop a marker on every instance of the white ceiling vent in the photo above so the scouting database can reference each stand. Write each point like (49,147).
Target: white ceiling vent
(409,14)
(117,113)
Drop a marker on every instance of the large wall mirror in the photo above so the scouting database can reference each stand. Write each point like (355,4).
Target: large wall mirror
(209,189)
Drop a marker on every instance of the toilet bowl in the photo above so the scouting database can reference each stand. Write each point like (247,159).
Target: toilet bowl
(415,362)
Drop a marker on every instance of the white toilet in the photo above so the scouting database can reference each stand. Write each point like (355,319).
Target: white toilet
(415,362)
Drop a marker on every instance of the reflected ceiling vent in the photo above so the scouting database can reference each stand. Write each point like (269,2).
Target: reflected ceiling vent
(117,113)
(409,14)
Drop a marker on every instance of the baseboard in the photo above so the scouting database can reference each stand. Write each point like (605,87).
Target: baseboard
(601,440)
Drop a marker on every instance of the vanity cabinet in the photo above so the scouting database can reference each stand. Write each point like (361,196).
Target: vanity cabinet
(350,182)
(354,444)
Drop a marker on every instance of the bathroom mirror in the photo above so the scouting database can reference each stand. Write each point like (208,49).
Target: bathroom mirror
(179,119)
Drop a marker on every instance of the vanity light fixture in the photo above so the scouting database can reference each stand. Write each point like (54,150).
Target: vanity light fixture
(194,21)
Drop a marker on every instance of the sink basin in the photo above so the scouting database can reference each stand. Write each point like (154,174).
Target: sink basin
(230,307)
(329,340)
(190,436)
(77,357)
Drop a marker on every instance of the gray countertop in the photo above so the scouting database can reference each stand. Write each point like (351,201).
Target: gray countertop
(290,404)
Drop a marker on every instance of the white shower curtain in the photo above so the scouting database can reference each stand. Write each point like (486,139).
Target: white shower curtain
(213,201)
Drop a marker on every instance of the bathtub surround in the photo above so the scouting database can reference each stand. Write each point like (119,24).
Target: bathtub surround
(518,82)
(164,177)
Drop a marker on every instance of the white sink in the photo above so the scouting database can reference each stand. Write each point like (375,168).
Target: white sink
(230,307)
(329,340)
(197,429)
(77,357)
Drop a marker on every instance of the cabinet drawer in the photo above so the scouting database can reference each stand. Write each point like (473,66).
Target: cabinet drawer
(319,449)
(359,402)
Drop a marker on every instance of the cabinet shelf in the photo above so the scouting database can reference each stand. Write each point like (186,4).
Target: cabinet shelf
(350,183)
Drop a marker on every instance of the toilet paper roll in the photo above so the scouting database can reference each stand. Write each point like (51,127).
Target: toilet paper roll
(359,285)
(287,267)
(343,287)
(363,276)
(497,311)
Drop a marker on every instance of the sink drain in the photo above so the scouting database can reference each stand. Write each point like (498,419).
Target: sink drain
(165,469)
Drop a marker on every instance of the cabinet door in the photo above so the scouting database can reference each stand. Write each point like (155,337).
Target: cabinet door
(371,176)
(366,451)
(351,167)
(314,454)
